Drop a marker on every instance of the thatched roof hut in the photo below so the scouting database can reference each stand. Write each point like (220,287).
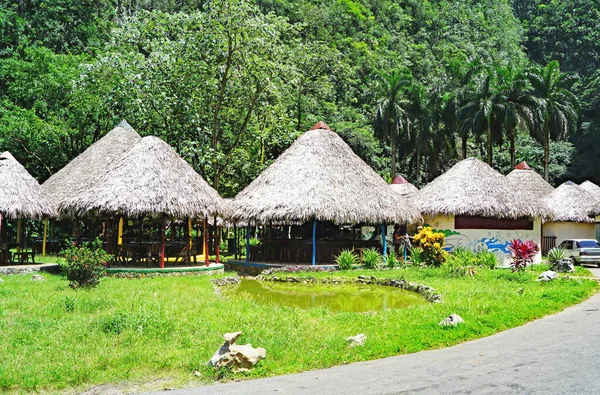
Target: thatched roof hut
(21,196)
(472,188)
(149,179)
(320,177)
(571,203)
(403,187)
(531,184)
(592,189)
(90,163)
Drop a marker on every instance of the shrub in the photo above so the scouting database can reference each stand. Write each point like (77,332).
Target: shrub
(85,264)
(371,258)
(468,257)
(522,254)
(415,256)
(391,261)
(431,245)
(486,259)
(346,260)
(555,255)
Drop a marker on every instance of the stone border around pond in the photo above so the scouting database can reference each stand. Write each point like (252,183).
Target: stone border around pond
(424,290)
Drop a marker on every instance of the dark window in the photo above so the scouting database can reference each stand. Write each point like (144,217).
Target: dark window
(568,245)
(588,244)
(467,222)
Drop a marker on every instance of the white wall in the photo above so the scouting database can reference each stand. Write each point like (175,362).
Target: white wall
(494,240)
(569,230)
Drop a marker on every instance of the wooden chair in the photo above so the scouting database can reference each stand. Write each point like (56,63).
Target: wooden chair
(22,257)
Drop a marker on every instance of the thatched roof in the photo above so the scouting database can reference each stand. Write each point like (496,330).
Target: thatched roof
(320,177)
(592,189)
(403,187)
(149,179)
(473,188)
(571,203)
(531,184)
(90,163)
(21,196)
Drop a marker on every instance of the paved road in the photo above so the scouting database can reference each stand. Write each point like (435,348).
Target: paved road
(558,354)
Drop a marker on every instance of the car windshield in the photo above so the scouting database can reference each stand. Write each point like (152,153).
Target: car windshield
(588,244)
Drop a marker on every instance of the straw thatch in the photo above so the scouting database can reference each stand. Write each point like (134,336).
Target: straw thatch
(403,187)
(21,196)
(319,177)
(473,188)
(592,189)
(531,184)
(571,203)
(90,163)
(149,179)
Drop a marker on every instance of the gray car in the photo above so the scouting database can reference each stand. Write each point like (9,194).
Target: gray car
(582,251)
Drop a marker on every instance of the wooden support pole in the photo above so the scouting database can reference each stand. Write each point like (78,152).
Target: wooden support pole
(235,242)
(206,249)
(314,243)
(162,244)
(19,235)
(248,243)
(45,236)
(217,238)
(120,232)
(189,233)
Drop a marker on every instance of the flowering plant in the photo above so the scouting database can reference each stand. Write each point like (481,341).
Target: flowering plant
(85,264)
(522,254)
(431,244)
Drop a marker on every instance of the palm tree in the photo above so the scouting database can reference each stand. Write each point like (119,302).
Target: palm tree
(390,116)
(555,107)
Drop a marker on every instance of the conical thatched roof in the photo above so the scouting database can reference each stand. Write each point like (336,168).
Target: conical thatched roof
(90,163)
(320,177)
(531,184)
(149,179)
(571,203)
(592,189)
(21,196)
(473,188)
(403,187)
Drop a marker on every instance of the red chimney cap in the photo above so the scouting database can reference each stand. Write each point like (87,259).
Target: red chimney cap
(523,166)
(320,125)
(399,180)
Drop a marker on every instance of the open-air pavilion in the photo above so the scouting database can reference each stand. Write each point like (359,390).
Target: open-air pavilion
(88,165)
(21,197)
(149,185)
(313,199)
(479,209)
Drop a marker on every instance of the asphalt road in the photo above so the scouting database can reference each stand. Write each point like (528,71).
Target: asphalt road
(558,354)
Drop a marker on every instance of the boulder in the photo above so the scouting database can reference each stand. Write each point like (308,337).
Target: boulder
(548,275)
(563,266)
(358,340)
(236,357)
(37,277)
(452,320)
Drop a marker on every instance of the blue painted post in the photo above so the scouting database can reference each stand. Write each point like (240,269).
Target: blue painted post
(248,243)
(314,243)
(384,239)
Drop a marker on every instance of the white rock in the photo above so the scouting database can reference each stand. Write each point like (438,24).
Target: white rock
(1,281)
(236,357)
(37,277)
(452,320)
(358,340)
(548,275)
(231,337)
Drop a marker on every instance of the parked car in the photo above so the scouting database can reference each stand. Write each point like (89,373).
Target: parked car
(581,251)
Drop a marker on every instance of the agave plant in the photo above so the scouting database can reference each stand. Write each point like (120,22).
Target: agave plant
(555,255)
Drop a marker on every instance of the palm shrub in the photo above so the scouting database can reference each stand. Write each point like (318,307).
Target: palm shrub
(391,261)
(85,264)
(371,258)
(522,254)
(346,260)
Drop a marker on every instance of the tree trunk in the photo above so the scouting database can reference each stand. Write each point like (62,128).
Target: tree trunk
(464,146)
(393,143)
(546,150)
(418,180)
(511,133)
(489,141)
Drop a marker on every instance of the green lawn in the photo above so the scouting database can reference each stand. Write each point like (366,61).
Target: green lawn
(162,329)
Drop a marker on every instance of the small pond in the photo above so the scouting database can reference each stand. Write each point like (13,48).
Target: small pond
(335,297)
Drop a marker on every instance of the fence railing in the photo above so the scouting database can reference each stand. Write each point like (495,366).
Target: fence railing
(548,243)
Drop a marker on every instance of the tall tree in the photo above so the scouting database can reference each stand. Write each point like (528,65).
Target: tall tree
(390,114)
(555,108)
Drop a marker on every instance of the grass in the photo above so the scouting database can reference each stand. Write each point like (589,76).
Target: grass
(162,329)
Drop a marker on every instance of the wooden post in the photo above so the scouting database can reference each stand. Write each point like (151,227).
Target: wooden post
(248,243)
(314,243)
(235,242)
(217,238)
(19,235)
(162,244)
(206,241)
(45,236)
(120,232)
(189,233)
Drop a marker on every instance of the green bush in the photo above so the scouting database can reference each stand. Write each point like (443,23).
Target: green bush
(415,256)
(346,260)
(85,264)
(371,258)
(391,261)
(470,258)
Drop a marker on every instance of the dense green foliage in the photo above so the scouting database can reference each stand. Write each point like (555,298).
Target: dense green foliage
(412,86)
(84,265)
(155,332)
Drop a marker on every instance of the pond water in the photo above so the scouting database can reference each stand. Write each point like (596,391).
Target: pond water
(335,297)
